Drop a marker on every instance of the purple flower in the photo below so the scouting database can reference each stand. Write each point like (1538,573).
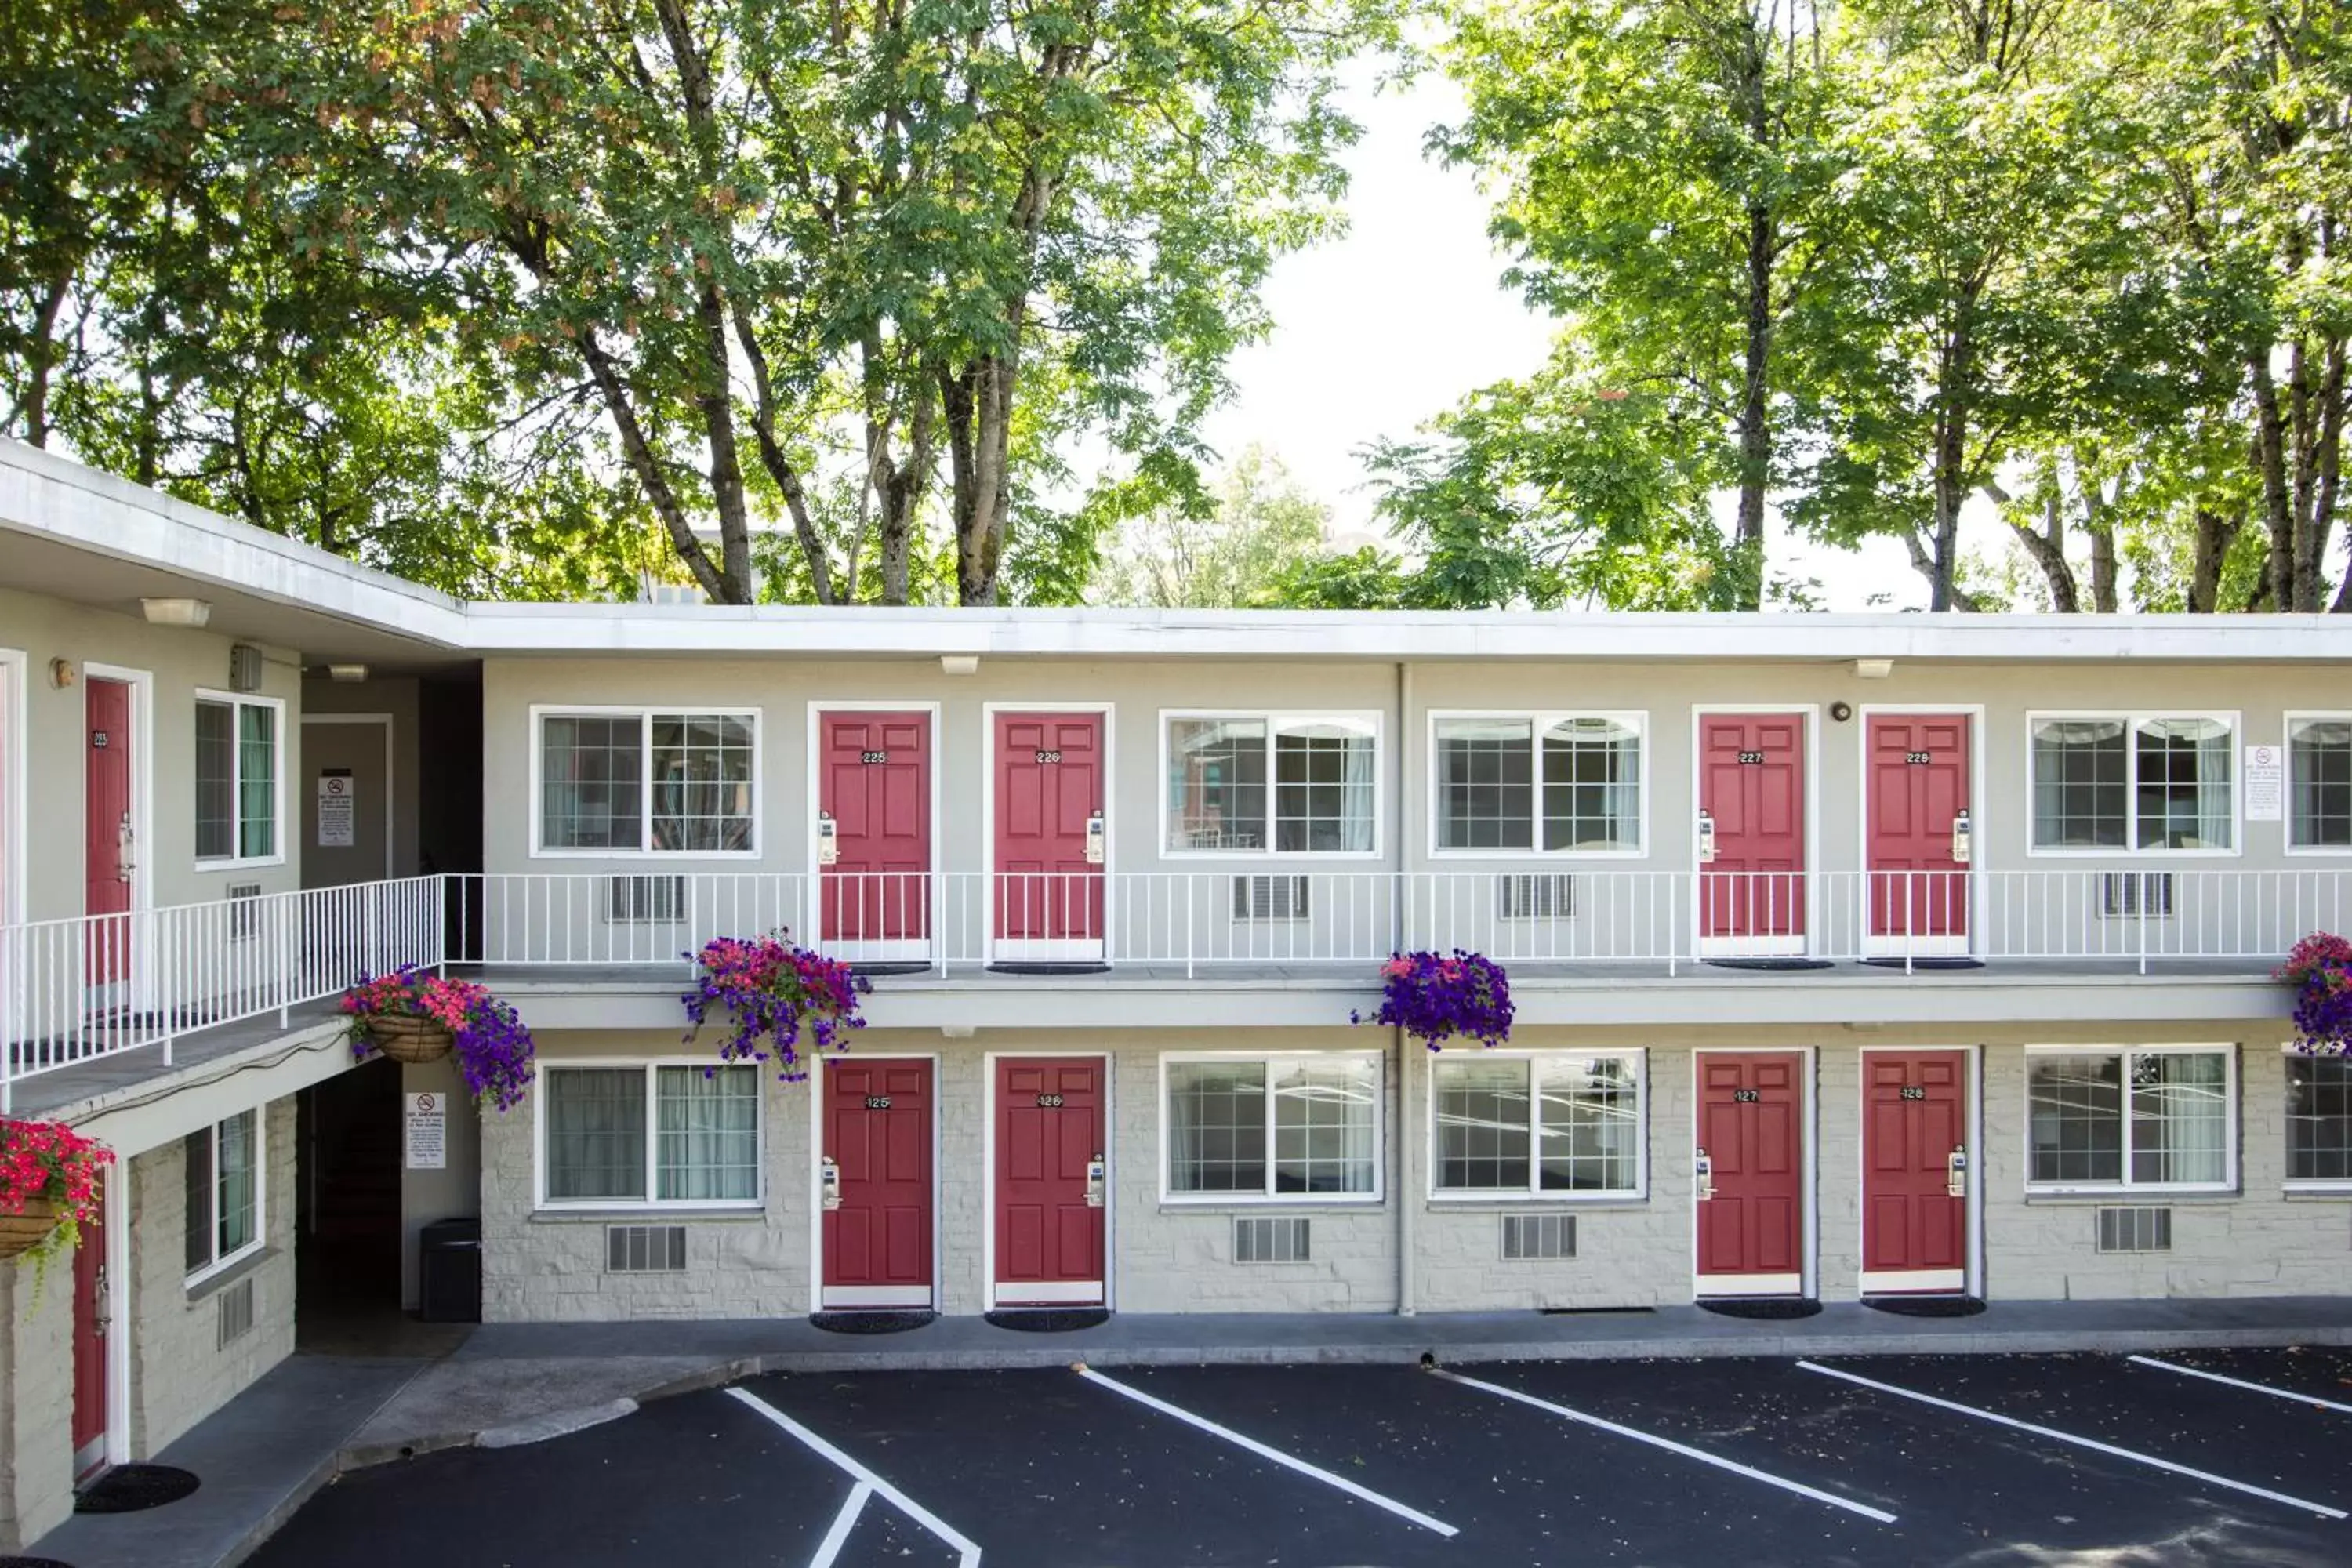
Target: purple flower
(1434,996)
(768,987)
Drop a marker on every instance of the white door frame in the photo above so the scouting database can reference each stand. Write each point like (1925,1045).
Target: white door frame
(817,1092)
(1876,946)
(988,1173)
(1079,952)
(1807,942)
(14,835)
(1805,1284)
(931,950)
(1971,1270)
(141,987)
(391,855)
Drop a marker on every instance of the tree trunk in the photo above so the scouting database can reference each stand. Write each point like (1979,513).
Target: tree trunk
(978,404)
(2047,546)
(37,390)
(716,399)
(1755,410)
(659,493)
(2270,463)
(2215,532)
(2102,548)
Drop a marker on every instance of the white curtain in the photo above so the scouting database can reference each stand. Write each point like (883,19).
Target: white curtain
(708,1146)
(2180,1117)
(596,1132)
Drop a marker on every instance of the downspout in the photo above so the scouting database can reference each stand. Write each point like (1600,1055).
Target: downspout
(1407,1141)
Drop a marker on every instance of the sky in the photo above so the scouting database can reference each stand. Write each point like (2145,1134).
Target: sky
(1392,322)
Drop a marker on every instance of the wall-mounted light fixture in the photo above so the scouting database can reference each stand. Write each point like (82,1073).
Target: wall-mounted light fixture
(349,674)
(1841,711)
(1873,668)
(959,664)
(63,673)
(175,612)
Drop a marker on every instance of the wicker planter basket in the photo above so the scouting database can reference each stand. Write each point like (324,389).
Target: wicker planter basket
(20,1233)
(407,1038)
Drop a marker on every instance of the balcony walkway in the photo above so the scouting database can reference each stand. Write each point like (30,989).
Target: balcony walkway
(100,1080)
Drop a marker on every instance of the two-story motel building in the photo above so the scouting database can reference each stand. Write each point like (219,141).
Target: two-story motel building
(1853,955)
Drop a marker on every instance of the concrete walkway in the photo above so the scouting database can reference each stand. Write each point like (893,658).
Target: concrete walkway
(316,1416)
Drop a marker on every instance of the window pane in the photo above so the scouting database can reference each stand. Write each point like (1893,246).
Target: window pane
(1216,784)
(257,780)
(2319,1118)
(1323,787)
(197,1188)
(1591,1113)
(240,1178)
(596,1132)
(1482,1125)
(1593,786)
(2184,784)
(2080,793)
(1486,784)
(702,782)
(1216,1127)
(2077,1126)
(1323,1126)
(215,781)
(2180,1117)
(709,1144)
(591,774)
(2319,756)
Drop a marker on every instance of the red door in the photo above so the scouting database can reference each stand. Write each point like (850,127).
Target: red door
(106,825)
(1919,766)
(1914,1118)
(878,1134)
(1049,813)
(1753,797)
(1752,1134)
(90,1349)
(1049,1214)
(874,792)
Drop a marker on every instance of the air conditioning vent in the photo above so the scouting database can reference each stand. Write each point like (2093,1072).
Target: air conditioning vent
(2135,1230)
(2126,895)
(645,1249)
(1535,896)
(1270,1241)
(245,912)
(1531,1236)
(1269,897)
(645,900)
(236,1313)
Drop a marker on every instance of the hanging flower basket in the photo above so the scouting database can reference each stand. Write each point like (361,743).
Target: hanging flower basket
(412,1017)
(1434,996)
(49,1188)
(2320,969)
(771,990)
(20,1233)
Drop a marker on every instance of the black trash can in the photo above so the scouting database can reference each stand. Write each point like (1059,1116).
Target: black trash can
(449,1271)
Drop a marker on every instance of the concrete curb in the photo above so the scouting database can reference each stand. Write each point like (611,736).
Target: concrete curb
(561,1423)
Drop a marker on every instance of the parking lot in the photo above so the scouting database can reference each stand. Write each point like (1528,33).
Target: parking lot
(2074,1459)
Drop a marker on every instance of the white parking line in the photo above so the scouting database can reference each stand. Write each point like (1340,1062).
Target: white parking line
(967,1555)
(2241,1383)
(843,1523)
(1701,1455)
(2051,1432)
(1275,1455)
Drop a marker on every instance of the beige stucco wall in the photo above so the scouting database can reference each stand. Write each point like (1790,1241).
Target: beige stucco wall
(36,1372)
(396,698)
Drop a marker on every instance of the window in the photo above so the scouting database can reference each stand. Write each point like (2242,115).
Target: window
(2121,783)
(1557,784)
(1270,785)
(2154,1117)
(1273,1127)
(2319,783)
(2319,1118)
(651,782)
(223,1193)
(236,779)
(699,1144)
(1556,1125)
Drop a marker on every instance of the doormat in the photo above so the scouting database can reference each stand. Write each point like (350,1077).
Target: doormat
(1766,1309)
(1087,968)
(32,1563)
(127,1488)
(1926,964)
(1926,1306)
(1050,1320)
(874,970)
(1771,965)
(891,1322)
(1590,1311)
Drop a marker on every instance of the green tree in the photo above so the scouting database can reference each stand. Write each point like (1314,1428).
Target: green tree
(1257,526)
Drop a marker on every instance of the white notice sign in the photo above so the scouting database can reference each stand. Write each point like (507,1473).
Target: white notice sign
(338,809)
(428,1146)
(2265,783)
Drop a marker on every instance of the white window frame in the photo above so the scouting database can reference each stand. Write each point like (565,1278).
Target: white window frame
(2292,717)
(644,713)
(1269,1197)
(1534,1192)
(2290,1182)
(1637,720)
(222,1262)
(233,700)
(1274,721)
(649,1067)
(2231,1110)
(2131,720)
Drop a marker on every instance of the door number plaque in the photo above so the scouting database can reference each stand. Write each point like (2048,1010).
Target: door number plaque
(1049,1102)
(1913,1091)
(1054,756)
(878,1102)
(1751,759)
(869,758)
(1746,1096)
(1919,759)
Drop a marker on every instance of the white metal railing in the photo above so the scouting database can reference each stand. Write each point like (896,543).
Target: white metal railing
(72,991)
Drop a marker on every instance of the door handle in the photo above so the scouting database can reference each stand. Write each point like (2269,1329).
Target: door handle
(126,842)
(1703,1169)
(1955,1173)
(1097,1175)
(828,839)
(1705,837)
(1095,838)
(100,1324)
(828,1183)
(1963,837)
